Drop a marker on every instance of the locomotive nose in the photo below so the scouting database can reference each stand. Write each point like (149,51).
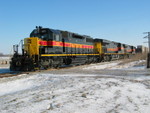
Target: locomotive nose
(31,46)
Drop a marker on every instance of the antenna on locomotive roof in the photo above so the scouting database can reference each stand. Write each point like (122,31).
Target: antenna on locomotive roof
(38,28)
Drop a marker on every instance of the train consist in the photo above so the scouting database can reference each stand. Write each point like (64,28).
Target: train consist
(49,48)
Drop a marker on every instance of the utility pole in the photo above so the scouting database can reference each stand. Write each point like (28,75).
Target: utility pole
(148,55)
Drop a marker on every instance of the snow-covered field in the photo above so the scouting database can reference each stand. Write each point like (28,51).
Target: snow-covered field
(96,88)
(4,63)
(4,58)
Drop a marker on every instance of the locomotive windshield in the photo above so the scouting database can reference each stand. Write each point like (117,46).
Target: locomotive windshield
(42,33)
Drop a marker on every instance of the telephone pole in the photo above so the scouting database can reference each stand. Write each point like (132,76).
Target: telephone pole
(148,55)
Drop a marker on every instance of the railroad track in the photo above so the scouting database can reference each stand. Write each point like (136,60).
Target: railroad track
(10,74)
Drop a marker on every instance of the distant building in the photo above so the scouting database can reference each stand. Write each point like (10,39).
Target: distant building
(141,49)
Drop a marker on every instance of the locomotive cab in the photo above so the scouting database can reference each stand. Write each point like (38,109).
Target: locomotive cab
(47,39)
(41,33)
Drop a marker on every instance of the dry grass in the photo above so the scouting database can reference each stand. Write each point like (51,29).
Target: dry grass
(135,58)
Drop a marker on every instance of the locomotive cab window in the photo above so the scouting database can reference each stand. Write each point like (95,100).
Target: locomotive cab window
(42,33)
(45,34)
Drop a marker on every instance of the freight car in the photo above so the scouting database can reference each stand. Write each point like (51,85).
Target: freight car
(49,48)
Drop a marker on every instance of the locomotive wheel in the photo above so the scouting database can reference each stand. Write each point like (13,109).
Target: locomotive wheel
(105,58)
(98,60)
(67,61)
(28,65)
(57,62)
(55,66)
(109,58)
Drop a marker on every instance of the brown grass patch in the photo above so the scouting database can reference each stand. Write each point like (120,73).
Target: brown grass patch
(135,58)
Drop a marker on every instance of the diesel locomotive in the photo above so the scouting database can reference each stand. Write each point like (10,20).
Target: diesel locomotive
(49,48)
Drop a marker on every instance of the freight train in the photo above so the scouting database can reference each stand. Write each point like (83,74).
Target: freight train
(49,48)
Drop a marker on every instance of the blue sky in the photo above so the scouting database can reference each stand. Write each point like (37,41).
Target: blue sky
(117,20)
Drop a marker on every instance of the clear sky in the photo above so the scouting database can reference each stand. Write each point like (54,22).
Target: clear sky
(117,20)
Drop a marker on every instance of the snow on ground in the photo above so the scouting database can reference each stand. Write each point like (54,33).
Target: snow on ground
(105,65)
(4,58)
(115,65)
(77,93)
(18,85)
(4,64)
(131,65)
